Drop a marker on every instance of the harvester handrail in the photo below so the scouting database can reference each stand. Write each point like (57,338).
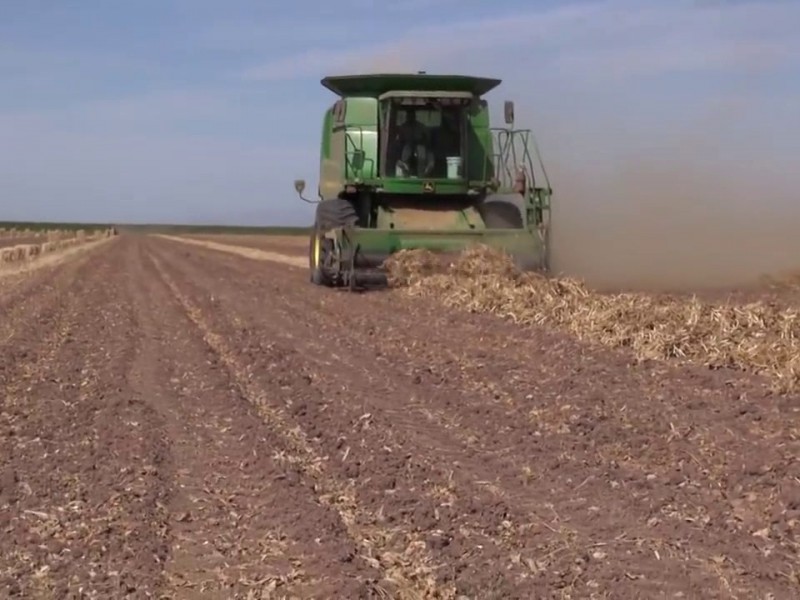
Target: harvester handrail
(529,134)
(507,159)
(350,142)
(501,138)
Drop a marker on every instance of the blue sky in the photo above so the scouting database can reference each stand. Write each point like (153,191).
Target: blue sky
(206,111)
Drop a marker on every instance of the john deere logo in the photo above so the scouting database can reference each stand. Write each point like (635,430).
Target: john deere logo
(427,186)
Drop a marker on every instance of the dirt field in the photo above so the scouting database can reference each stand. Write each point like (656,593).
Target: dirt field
(8,242)
(288,244)
(179,422)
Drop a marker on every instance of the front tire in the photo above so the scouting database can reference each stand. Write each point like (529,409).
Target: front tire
(330,214)
(335,213)
(316,275)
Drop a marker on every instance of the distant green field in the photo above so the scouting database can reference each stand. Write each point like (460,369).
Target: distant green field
(157,228)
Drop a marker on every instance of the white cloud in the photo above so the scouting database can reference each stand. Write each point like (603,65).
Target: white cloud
(619,37)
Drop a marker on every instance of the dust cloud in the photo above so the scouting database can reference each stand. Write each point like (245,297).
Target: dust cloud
(709,205)
(660,182)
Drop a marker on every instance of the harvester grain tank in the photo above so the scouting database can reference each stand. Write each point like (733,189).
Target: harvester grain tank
(412,161)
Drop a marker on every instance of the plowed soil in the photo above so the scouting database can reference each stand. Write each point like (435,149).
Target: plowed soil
(179,422)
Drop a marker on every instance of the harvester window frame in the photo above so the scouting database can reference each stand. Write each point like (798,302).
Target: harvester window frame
(391,101)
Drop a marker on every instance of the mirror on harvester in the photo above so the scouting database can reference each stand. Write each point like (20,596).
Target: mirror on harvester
(508,109)
(299,185)
(357,160)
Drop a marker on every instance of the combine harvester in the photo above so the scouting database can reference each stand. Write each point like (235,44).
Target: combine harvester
(411,161)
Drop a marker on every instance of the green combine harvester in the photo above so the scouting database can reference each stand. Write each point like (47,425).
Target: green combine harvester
(411,161)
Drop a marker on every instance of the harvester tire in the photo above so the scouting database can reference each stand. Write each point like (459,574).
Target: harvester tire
(316,274)
(505,211)
(331,214)
(502,212)
(336,212)
(317,278)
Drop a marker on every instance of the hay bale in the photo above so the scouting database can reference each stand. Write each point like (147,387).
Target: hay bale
(11,253)
(5,255)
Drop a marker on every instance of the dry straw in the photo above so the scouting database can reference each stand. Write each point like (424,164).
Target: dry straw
(756,337)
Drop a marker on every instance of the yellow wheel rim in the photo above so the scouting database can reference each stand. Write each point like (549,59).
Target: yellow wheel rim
(316,251)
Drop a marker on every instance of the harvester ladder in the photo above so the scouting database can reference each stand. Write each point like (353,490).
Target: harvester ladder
(512,152)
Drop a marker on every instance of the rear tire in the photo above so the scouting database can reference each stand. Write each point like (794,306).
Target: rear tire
(503,211)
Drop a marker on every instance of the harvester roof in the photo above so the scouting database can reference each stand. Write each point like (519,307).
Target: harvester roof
(377,84)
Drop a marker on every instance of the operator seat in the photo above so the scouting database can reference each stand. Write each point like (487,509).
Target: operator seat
(415,140)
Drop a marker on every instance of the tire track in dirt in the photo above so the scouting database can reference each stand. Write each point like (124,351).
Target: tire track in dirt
(15,288)
(18,380)
(81,486)
(583,427)
(241,521)
(378,446)
(514,521)
(32,297)
(401,556)
(33,333)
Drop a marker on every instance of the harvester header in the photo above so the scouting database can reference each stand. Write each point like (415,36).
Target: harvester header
(411,161)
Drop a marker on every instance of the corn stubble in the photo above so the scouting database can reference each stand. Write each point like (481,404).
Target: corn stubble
(757,337)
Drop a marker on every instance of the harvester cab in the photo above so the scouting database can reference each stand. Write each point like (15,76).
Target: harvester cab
(411,161)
